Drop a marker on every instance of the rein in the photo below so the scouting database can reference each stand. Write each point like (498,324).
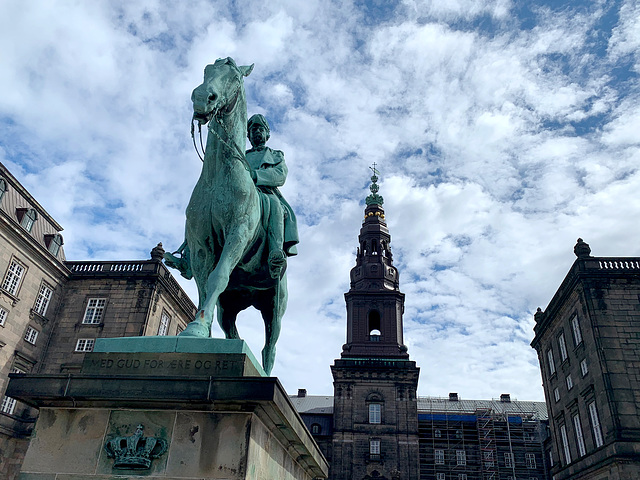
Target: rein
(235,149)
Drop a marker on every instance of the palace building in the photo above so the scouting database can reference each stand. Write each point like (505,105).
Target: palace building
(588,344)
(52,310)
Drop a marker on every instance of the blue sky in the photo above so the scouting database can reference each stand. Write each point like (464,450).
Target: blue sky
(503,130)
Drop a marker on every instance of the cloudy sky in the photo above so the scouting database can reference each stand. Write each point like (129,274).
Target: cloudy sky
(503,131)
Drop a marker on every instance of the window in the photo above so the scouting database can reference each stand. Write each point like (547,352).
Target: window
(53,242)
(85,344)
(375,413)
(569,382)
(556,394)
(552,365)
(563,347)
(165,320)
(565,444)
(3,316)
(31,335)
(583,367)
(461,457)
(530,459)
(28,219)
(579,437)
(42,300)
(3,187)
(462,476)
(8,405)
(13,277)
(374,447)
(440,476)
(508,460)
(575,328)
(595,425)
(315,429)
(437,434)
(94,311)
(439,454)
(551,458)
(458,433)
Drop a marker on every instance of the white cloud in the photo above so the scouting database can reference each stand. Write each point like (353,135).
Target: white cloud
(491,167)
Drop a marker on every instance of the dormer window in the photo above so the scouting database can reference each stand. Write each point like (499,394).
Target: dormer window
(27,217)
(53,242)
(3,187)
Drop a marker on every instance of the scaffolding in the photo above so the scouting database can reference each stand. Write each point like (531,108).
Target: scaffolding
(487,443)
(481,439)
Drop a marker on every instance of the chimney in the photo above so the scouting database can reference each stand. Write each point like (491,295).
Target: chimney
(505,398)
(302,392)
(453,397)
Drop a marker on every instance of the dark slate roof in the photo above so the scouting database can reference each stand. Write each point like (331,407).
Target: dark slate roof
(538,410)
(313,404)
(318,404)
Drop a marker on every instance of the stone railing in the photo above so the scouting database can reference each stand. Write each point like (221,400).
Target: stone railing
(619,263)
(106,267)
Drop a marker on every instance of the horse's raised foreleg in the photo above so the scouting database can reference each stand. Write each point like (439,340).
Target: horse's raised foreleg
(218,280)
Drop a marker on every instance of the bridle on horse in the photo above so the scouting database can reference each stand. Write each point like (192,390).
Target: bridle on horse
(236,152)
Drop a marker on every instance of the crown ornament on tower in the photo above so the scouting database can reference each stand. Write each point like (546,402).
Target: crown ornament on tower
(136,451)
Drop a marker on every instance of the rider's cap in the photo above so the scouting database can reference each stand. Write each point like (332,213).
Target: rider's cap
(259,119)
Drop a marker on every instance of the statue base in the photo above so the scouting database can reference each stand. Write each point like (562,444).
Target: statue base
(191,417)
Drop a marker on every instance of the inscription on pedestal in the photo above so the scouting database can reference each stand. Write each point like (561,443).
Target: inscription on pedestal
(169,364)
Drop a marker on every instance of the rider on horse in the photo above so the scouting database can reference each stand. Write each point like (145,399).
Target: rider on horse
(268,172)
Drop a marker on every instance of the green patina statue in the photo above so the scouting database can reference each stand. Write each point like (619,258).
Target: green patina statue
(239,229)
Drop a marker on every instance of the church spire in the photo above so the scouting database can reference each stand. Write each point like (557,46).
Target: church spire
(374,301)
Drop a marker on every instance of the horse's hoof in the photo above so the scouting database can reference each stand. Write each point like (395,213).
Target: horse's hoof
(277,263)
(196,329)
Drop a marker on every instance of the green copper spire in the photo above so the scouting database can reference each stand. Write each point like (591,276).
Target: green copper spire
(374,198)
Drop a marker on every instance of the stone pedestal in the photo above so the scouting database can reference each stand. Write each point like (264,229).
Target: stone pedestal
(179,410)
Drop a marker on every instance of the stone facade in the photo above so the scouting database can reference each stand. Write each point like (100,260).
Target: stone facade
(44,300)
(588,344)
(114,299)
(32,281)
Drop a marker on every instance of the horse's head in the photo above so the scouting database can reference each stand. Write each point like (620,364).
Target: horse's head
(220,89)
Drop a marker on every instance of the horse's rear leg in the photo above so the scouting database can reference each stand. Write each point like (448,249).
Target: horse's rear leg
(228,307)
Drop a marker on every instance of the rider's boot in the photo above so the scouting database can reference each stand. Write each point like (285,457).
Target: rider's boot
(275,239)
(277,263)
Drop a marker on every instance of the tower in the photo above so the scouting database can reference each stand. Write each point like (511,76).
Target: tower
(375,431)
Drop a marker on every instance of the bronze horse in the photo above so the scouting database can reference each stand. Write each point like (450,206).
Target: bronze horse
(225,247)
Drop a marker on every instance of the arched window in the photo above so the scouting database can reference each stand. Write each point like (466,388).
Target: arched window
(437,434)
(374,325)
(316,429)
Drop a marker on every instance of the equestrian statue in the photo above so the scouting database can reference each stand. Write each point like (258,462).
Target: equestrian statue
(239,228)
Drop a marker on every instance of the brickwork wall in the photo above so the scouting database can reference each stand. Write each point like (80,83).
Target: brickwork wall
(12,452)
(125,314)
